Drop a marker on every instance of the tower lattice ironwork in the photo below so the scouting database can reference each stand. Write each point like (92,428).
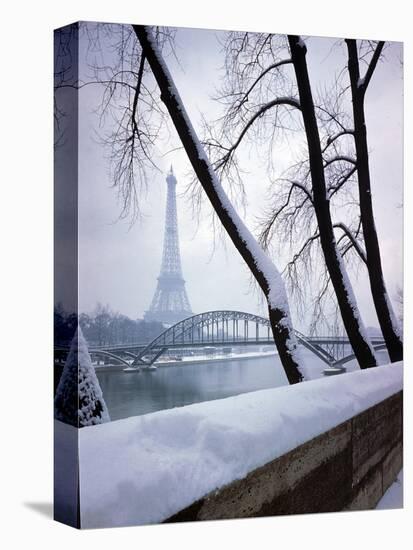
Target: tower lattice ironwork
(170,302)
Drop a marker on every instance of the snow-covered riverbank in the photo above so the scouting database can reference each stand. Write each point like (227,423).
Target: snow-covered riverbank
(144,469)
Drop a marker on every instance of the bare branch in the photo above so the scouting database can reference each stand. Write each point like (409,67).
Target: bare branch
(307,243)
(340,158)
(259,78)
(289,101)
(333,189)
(332,139)
(353,240)
(372,65)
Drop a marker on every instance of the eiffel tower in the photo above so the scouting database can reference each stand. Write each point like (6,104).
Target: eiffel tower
(170,302)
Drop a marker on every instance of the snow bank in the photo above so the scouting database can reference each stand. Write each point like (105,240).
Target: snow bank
(144,469)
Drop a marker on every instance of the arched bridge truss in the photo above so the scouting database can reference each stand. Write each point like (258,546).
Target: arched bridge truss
(219,329)
(231,328)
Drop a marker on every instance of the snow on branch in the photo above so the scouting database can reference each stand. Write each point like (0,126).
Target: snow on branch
(260,264)
(352,239)
(261,260)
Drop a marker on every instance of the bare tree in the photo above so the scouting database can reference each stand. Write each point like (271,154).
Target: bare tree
(130,99)
(292,212)
(260,97)
(347,168)
(65,77)
(359,86)
(345,297)
(132,120)
(264,271)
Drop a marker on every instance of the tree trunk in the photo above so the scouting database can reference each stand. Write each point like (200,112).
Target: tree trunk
(385,314)
(259,264)
(342,287)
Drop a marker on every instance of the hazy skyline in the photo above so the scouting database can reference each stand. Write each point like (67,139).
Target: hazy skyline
(119,263)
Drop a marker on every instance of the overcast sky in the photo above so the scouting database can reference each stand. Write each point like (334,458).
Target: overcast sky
(118,264)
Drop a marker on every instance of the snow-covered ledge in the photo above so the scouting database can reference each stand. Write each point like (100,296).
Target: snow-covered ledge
(150,468)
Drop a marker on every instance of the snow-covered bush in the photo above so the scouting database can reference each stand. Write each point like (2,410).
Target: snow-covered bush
(79,399)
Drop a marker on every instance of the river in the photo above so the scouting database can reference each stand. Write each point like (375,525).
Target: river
(132,394)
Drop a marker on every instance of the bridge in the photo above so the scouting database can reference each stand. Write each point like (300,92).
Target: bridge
(223,329)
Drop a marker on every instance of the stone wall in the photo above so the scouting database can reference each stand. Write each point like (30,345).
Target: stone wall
(347,468)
